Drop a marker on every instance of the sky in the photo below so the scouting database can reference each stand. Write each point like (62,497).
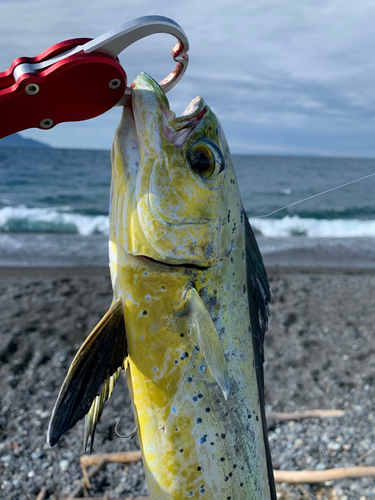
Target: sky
(282,76)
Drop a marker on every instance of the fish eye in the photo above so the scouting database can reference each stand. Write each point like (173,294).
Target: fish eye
(206,158)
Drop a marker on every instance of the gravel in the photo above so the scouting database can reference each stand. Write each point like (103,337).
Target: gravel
(319,354)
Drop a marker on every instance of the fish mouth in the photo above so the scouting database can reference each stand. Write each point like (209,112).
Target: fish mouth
(178,129)
(175,266)
(175,129)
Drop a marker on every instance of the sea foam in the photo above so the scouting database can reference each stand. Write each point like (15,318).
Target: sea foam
(23,219)
(314,228)
(50,220)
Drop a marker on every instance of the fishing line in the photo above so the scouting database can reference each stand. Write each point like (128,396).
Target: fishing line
(130,435)
(313,196)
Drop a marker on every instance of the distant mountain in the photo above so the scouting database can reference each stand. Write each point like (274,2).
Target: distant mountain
(16,141)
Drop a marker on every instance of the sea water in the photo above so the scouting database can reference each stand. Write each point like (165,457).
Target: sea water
(54,208)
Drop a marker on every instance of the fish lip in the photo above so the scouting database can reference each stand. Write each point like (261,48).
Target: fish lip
(194,109)
(177,130)
(175,266)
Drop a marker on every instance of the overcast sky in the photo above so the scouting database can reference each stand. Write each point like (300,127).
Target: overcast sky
(283,76)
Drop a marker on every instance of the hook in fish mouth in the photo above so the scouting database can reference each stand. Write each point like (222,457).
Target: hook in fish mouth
(177,266)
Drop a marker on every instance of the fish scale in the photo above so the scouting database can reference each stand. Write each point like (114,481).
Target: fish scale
(193,416)
(190,307)
(188,434)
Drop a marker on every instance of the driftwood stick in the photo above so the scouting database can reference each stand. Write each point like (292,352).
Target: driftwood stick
(100,461)
(319,476)
(85,476)
(125,457)
(281,476)
(299,415)
(106,498)
(42,494)
(367,454)
(80,488)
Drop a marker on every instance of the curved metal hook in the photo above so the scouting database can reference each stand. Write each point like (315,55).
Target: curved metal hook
(115,41)
(118,39)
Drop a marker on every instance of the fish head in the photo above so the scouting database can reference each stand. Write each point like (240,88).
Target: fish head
(173,182)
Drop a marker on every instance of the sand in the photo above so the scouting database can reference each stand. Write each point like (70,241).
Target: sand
(319,354)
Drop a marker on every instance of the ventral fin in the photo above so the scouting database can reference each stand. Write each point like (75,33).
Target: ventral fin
(205,336)
(91,377)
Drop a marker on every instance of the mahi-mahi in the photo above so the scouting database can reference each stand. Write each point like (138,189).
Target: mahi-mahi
(189,310)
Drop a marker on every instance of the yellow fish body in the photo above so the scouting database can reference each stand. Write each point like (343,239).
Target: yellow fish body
(189,313)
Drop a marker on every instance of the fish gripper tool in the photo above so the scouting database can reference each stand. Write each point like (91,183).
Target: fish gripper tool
(79,79)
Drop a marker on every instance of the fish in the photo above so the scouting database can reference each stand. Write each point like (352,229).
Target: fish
(189,313)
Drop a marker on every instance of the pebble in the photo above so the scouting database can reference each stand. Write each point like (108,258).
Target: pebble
(334,446)
(305,369)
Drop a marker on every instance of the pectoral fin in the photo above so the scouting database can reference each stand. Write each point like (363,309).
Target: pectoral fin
(207,340)
(91,377)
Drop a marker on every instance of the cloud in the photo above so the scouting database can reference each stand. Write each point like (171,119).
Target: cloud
(280,68)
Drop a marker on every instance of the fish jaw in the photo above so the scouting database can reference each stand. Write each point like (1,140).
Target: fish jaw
(160,207)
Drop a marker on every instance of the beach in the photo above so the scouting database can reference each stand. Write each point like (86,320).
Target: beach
(319,354)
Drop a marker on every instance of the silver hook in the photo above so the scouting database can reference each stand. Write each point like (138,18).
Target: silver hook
(115,41)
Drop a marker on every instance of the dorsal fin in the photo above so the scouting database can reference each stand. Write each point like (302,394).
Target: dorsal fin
(259,296)
(91,377)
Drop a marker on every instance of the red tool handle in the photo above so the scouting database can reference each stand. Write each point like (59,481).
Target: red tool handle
(75,88)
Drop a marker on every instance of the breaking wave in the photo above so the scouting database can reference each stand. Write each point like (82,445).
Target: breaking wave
(23,219)
(314,228)
(50,220)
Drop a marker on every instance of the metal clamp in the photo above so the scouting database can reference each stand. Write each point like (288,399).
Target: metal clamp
(115,41)
(79,79)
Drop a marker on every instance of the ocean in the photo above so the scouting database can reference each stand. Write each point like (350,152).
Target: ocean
(54,208)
